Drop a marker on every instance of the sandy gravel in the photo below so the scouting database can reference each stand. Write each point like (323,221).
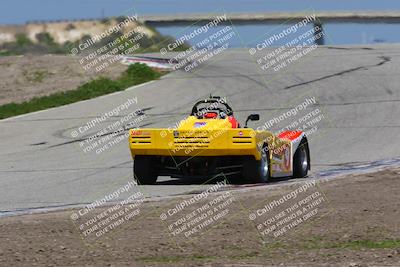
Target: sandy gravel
(359,213)
(24,77)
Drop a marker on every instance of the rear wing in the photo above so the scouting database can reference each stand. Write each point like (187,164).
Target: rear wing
(167,142)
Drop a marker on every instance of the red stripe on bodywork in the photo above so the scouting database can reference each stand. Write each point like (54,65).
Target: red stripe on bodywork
(233,121)
(291,135)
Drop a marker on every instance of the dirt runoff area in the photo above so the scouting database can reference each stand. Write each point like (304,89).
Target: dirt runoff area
(348,221)
(25,77)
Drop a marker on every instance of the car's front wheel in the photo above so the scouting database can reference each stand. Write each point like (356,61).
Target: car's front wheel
(143,169)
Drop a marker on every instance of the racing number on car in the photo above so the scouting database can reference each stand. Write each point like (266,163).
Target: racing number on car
(286,158)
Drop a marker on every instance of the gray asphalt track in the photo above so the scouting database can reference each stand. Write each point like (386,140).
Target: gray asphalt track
(355,87)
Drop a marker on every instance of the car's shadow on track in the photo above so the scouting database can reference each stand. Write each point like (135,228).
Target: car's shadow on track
(181,182)
(236,182)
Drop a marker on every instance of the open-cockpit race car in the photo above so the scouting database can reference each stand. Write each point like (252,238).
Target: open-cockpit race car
(211,141)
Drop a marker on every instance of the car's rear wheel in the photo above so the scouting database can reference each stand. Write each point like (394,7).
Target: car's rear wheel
(301,160)
(257,171)
(143,169)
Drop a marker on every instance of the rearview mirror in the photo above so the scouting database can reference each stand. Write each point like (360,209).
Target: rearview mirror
(252,117)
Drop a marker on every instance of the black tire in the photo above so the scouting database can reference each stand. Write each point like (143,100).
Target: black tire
(301,160)
(143,169)
(257,171)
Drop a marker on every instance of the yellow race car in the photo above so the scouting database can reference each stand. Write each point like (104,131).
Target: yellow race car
(210,142)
